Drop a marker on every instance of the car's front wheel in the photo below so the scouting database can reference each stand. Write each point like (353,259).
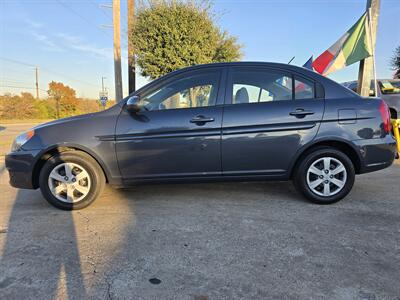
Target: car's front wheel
(325,175)
(71,180)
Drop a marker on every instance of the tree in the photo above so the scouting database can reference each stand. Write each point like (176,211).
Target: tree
(169,35)
(18,107)
(395,62)
(65,97)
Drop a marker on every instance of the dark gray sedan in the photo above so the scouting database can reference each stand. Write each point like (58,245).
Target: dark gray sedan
(217,122)
(388,90)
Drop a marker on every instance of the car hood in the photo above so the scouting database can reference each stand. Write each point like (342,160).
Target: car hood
(65,120)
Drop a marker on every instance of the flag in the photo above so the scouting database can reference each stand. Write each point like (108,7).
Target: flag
(352,47)
(308,64)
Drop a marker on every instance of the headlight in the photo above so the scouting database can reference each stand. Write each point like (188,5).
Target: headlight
(22,139)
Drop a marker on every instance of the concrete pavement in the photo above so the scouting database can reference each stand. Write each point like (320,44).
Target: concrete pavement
(204,241)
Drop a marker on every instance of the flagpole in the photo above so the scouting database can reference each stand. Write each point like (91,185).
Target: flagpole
(373,53)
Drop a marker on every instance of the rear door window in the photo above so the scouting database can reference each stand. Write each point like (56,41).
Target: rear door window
(303,88)
(253,86)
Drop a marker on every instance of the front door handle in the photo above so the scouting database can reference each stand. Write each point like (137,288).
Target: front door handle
(201,119)
(301,113)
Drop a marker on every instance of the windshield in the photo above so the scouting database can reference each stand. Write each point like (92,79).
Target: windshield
(396,83)
(389,87)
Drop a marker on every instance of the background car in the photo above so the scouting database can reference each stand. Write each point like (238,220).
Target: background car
(216,122)
(388,90)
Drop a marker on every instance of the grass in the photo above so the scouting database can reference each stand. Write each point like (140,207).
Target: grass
(24,121)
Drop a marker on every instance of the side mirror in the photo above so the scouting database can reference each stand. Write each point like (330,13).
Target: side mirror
(132,105)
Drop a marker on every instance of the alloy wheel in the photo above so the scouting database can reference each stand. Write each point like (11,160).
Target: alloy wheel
(326,176)
(69,182)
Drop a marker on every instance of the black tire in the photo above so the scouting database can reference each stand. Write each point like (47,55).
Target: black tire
(95,172)
(300,175)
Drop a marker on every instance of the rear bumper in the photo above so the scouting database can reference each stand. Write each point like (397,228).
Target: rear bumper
(376,154)
(20,166)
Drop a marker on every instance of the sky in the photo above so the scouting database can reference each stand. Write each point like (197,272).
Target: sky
(71,41)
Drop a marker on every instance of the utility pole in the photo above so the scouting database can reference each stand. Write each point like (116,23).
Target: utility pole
(117,50)
(131,55)
(366,69)
(37,82)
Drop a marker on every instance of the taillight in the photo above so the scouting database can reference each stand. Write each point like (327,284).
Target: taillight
(385,114)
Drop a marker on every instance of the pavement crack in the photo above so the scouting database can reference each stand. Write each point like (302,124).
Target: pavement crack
(91,257)
(109,285)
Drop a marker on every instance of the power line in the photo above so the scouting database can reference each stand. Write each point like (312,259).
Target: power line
(15,84)
(102,11)
(124,28)
(21,87)
(89,22)
(17,62)
(48,71)
(13,80)
(8,70)
(70,78)
(81,16)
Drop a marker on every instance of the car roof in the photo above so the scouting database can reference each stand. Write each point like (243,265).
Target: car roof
(243,63)
(288,67)
(332,88)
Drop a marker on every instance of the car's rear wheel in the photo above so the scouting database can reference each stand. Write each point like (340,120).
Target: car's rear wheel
(71,180)
(325,175)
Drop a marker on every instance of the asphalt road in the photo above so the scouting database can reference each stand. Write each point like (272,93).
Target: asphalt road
(8,132)
(204,241)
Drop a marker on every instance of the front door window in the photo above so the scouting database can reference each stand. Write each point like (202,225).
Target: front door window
(188,92)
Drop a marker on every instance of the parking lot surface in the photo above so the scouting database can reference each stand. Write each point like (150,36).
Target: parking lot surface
(203,241)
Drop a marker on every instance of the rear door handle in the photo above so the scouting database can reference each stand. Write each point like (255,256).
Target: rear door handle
(301,113)
(201,119)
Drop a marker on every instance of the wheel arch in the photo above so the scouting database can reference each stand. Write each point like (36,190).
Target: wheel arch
(342,145)
(56,149)
(393,113)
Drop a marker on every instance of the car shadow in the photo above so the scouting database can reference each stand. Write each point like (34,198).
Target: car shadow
(41,251)
(94,252)
(40,255)
(176,232)
(220,191)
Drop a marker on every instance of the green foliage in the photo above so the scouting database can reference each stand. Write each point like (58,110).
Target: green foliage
(227,48)
(395,62)
(66,98)
(169,35)
(26,106)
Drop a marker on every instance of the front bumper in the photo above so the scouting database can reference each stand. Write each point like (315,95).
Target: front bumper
(376,154)
(20,166)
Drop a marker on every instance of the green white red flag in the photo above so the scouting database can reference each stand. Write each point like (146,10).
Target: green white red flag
(352,47)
